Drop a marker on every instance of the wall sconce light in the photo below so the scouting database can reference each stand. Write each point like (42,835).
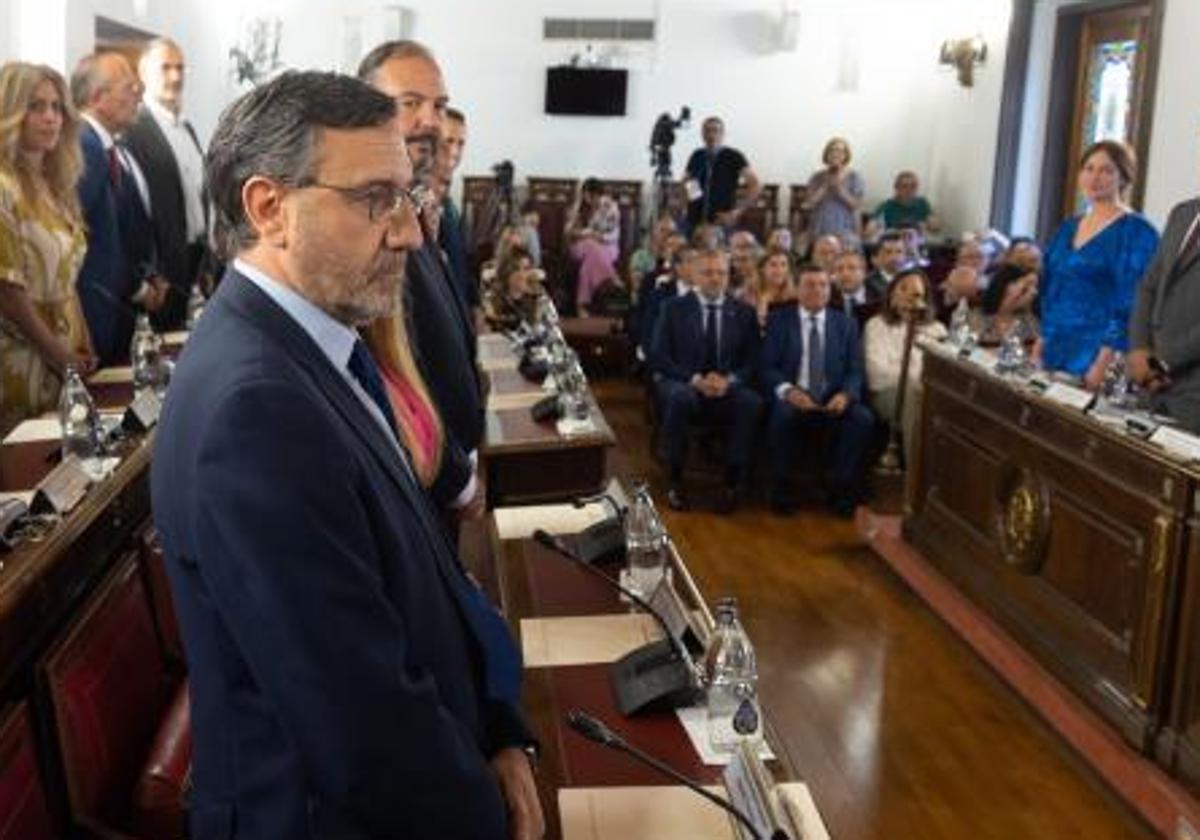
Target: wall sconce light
(963,54)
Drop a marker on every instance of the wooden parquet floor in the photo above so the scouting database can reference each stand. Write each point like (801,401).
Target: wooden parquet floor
(898,728)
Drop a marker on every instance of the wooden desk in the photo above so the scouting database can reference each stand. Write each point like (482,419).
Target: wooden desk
(1073,536)
(42,582)
(527,461)
(535,582)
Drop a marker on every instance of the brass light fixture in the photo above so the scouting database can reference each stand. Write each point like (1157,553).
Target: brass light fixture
(963,54)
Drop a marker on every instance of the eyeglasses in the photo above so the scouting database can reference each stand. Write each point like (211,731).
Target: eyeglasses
(383,201)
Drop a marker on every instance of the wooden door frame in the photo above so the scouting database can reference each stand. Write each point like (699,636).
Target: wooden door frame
(1063,90)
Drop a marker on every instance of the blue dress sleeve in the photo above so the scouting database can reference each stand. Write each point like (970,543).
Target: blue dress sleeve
(1137,250)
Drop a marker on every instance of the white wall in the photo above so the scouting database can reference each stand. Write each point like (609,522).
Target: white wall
(1174,172)
(904,112)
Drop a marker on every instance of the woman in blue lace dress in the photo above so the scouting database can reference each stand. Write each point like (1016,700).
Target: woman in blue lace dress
(1092,268)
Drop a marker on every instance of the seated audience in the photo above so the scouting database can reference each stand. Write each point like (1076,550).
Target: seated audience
(906,209)
(708,237)
(835,194)
(812,373)
(744,252)
(676,283)
(42,243)
(653,253)
(1011,297)
(704,354)
(1092,268)
(773,286)
(891,255)
(973,254)
(909,295)
(851,293)
(1024,253)
(594,231)
(531,222)
(512,297)
(781,237)
(962,283)
(825,251)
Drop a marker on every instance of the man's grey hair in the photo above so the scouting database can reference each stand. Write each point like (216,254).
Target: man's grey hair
(87,80)
(272,132)
(390,50)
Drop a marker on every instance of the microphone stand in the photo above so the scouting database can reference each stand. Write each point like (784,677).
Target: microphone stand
(891,464)
(595,731)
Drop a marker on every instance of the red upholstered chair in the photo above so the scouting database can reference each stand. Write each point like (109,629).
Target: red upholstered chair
(24,814)
(110,691)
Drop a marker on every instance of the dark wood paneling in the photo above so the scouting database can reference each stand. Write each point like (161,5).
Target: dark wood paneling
(762,216)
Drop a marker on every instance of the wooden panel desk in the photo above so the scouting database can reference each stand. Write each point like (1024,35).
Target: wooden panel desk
(1071,534)
(527,461)
(42,582)
(535,582)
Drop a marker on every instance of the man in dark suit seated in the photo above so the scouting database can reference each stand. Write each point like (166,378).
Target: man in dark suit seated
(703,356)
(891,255)
(442,328)
(666,287)
(851,293)
(812,372)
(347,678)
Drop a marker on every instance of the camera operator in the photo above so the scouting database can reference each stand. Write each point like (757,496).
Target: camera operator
(713,175)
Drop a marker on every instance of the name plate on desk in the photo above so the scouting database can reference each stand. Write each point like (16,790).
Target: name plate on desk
(62,489)
(142,414)
(1068,395)
(1177,443)
(752,792)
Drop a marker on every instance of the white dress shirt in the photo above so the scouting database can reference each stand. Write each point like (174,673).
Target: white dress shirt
(806,321)
(190,161)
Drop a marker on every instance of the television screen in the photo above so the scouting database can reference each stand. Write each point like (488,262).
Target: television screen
(588,92)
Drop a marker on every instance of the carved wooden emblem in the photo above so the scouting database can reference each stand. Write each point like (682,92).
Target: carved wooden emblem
(1024,521)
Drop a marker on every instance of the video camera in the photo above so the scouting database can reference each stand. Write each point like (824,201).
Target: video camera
(662,138)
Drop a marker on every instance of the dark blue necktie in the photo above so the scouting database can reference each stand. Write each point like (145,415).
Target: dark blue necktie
(712,345)
(816,360)
(363,368)
(502,662)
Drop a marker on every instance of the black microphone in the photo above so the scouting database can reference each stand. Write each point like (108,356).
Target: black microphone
(596,732)
(657,676)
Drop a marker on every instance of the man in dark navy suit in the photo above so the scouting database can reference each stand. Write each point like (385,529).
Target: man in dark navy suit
(703,356)
(812,372)
(451,144)
(119,274)
(347,679)
(441,326)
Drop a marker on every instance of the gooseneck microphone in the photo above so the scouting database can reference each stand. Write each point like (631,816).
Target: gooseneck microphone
(556,545)
(655,677)
(596,732)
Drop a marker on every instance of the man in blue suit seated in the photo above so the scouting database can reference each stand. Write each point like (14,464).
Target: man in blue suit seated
(703,356)
(347,679)
(676,283)
(812,371)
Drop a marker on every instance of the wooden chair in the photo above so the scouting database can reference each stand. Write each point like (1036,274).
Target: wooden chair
(112,698)
(154,576)
(798,217)
(481,218)
(553,199)
(761,217)
(24,812)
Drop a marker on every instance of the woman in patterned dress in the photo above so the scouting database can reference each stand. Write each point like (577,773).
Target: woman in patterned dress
(42,242)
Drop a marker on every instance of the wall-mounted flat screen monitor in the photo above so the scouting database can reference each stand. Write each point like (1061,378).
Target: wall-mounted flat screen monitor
(586,92)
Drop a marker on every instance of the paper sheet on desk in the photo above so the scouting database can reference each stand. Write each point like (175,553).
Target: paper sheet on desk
(39,428)
(695,724)
(111,376)
(24,496)
(570,427)
(519,523)
(498,363)
(666,813)
(521,399)
(584,640)
(175,338)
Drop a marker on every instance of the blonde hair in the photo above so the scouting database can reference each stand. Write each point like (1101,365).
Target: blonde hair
(828,150)
(62,165)
(387,339)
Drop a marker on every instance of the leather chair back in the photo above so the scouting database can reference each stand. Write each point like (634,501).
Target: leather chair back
(108,686)
(24,813)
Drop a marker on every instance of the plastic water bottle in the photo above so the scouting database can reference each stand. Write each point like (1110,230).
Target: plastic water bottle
(732,673)
(960,326)
(195,306)
(145,355)
(80,424)
(645,543)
